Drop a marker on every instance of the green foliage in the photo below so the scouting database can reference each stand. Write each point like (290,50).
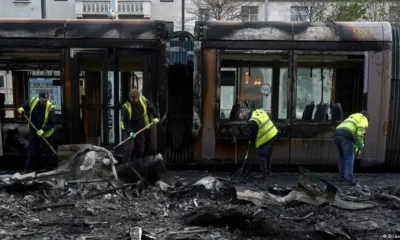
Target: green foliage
(355,10)
(364,10)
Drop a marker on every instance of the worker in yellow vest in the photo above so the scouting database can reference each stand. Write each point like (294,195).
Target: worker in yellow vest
(42,114)
(136,114)
(349,138)
(262,136)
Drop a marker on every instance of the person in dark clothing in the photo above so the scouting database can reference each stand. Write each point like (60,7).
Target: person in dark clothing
(136,114)
(262,136)
(43,116)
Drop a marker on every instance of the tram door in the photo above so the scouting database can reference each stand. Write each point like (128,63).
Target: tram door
(101,82)
(86,85)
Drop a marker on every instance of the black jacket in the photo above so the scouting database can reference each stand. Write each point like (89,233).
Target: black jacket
(253,130)
(137,121)
(37,116)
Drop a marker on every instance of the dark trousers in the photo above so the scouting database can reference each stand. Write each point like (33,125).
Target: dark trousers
(39,154)
(346,158)
(137,144)
(264,153)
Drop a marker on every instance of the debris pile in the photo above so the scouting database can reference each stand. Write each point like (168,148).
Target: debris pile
(149,203)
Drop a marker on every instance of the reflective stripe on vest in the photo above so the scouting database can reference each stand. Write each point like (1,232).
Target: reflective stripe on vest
(266,128)
(49,106)
(128,107)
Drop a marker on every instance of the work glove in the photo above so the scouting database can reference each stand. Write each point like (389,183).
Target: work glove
(155,120)
(40,133)
(132,134)
(21,110)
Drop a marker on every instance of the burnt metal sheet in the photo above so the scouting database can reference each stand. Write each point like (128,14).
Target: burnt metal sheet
(32,28)
(115,29)
(393,137)
(384,108)
(79,28)
(227,30)
(302,45)
(78,43)
(375,71)
(209,97)
(285,31)
(340,31)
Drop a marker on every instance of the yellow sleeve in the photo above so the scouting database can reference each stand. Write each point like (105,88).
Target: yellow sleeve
(362,130)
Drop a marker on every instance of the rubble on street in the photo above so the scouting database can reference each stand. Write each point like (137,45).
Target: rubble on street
(83,200)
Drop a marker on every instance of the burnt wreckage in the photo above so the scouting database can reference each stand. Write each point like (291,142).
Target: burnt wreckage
(307,76)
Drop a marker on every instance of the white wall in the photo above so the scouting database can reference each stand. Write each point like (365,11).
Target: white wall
(167,11)
(32,9)
(60,9)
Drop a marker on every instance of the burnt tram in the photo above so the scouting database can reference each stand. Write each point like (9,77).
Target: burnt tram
(307,76)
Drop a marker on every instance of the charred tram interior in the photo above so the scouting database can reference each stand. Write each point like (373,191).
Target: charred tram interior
(307,76)
(88,67)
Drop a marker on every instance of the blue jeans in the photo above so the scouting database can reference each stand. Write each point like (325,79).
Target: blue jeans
(346,159)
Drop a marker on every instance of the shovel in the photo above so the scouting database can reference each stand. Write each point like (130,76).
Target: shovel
(245,169)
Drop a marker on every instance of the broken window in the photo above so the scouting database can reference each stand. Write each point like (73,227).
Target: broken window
(252,84)
(256,88)
(329,88)
(313,86)
(283,93)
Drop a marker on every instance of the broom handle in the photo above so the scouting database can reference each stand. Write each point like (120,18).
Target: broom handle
(44,139)
(141,130)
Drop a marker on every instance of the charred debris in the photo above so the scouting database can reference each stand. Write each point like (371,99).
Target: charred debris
(83,199)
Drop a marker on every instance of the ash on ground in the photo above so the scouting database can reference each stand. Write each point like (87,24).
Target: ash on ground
(195,205)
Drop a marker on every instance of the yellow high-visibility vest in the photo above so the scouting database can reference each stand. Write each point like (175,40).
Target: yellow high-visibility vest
(128,107)
(266,128)
(49,106)
(357,125)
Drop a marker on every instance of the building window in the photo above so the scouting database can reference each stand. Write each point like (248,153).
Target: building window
(2,82)
(166,0)
(249,13)
(204,14)
(22,1)
(170,26)
(298,14)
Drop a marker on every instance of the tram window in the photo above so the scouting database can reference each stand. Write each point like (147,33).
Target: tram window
(283,93)
(228,89)
(247,91)
(51,86)
(313,86)
(251,88)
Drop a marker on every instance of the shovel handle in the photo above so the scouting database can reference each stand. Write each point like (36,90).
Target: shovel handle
(44,139)
(127,139)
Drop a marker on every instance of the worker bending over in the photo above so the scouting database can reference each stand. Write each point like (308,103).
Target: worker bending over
(43,116)
(136,114)
(262,136)
(349,137)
